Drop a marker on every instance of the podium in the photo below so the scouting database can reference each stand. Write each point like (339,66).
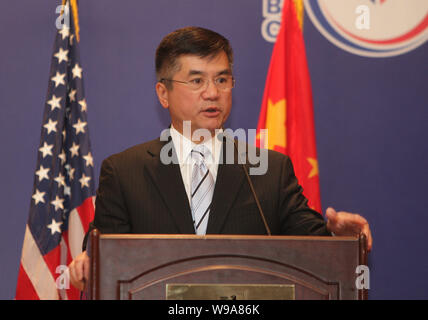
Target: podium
(158,267)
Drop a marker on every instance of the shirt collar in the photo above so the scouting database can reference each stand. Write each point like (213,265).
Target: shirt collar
(183,146)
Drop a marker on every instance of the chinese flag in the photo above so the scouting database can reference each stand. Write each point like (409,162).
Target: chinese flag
(287,110)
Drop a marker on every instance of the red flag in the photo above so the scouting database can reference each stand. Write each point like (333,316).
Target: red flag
(287,110)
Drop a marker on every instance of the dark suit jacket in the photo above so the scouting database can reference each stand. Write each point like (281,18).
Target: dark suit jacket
(139,194)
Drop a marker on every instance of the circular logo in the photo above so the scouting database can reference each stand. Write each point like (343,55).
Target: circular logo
(371,28)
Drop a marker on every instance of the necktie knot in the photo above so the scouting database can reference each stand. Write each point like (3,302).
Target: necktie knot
(199,153)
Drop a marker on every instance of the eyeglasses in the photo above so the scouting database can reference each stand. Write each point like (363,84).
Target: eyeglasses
(223,83)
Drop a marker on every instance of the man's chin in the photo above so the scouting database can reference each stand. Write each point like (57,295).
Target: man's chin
(208,129)
(210,124)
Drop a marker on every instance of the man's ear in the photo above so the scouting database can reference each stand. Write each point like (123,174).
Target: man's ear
(162,93)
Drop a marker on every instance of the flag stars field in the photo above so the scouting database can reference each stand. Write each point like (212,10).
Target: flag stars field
(79,126)
(54,102)
(39,197)
(77,71)
(67,191)
(51,126)
(58,203)
(83,105)
(60,180)
(89,160)
(70,171)
(64,32)
(55,227)
(46,149)
(84,181)
(58,79)
(42,173)
(62,156)
(74,150)
(61,55)
(72,95)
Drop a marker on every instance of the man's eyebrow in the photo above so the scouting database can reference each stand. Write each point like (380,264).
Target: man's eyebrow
(198,72)
(195,72)
(225,72)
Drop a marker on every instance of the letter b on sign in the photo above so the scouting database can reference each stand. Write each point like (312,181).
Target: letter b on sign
(272,7)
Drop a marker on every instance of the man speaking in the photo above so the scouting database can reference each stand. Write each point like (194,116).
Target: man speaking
(199,190)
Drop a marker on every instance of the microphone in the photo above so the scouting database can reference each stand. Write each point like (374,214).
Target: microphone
(250,183)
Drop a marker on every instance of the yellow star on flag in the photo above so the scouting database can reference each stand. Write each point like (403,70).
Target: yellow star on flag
(276,124)
(314,171)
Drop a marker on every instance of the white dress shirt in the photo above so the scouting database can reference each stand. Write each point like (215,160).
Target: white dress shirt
(183,148)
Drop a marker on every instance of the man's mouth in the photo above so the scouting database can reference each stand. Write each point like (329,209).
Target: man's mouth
(211,111)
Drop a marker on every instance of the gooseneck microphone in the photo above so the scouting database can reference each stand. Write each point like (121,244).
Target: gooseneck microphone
(250,183)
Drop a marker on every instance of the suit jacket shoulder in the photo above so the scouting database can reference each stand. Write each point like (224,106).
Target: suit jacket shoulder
(138,194)
(135,154)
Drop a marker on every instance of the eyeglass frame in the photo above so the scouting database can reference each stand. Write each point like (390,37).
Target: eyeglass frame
(188,83)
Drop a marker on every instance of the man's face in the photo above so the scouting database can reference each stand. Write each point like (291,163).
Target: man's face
(206,108)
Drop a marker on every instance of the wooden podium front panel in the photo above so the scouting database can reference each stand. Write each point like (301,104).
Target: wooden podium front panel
(141,266)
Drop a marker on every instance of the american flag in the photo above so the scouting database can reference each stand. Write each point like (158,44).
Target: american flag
(62,203)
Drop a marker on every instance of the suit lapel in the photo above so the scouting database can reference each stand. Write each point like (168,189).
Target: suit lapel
(167,178)
(229,180)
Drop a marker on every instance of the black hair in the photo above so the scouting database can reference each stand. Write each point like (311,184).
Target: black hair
(190,40)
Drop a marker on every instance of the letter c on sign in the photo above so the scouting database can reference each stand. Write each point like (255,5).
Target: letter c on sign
(270,29)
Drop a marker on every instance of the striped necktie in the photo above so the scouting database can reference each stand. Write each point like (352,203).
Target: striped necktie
(202,189)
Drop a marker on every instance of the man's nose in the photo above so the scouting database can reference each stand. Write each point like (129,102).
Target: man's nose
(210,91)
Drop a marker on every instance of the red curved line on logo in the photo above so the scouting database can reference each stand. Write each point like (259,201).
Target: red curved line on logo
(419,28)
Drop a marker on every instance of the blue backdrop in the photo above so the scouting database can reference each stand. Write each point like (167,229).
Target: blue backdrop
(370,116)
